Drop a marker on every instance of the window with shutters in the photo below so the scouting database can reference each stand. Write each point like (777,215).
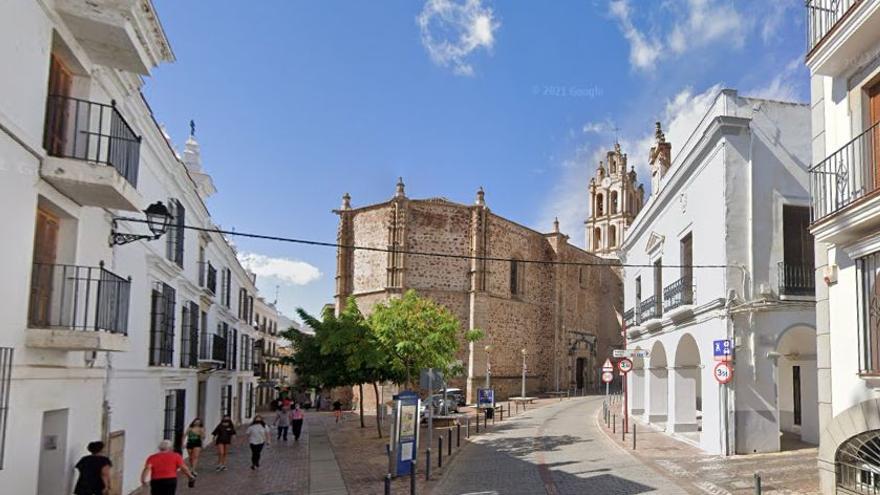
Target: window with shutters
(868,302)
(242,304)
(226,287)
(162,325)
(250,400)
(226,400)
(796,271)
(189,335)
(175,235)
(232,349)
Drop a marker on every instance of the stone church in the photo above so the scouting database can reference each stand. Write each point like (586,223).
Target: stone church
(616,198)
(548,297)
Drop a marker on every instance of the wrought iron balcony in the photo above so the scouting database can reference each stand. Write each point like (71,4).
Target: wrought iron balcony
(796,280)
(92,132)
(847,175)
(649,309)
(822,16)
(213,348)
(629,317)
(82,298)
(678,293)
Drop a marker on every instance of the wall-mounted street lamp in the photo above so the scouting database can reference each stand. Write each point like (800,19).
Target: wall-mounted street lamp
(523,393)
(158,220)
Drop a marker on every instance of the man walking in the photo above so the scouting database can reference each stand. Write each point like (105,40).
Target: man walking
(282,422)
(162,469)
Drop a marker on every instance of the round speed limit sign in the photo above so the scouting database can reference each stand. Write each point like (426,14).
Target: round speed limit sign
(625,365)
(607,377)
(723,372)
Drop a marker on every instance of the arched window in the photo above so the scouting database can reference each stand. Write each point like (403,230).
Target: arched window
(517,277)
(612,236)
(858,463)
(613,206)
(597,239)
(600,205)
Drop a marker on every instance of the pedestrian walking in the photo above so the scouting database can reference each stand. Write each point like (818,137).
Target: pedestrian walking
(296,421)
(258,437)
(94,472)
(223,434)
(195,440)
(282,423)
(162,467)
(337,410)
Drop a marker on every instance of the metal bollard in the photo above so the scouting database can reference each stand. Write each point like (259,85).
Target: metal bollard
(757,484)
(439,451)
(428,464)
(388,484)
(613,423)
(634,435)
(493,415)
(622,431)
(449,441)
(467,431)
(478,422)
(457,435)
(412,479)
(501,412)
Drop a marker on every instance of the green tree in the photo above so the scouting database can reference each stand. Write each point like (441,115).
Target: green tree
(414,333)
(317,364)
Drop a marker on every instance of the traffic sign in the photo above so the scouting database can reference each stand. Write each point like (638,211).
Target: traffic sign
(723,372)
(630,353)
(722,350)
(607,377)
(625,365)
(607,366)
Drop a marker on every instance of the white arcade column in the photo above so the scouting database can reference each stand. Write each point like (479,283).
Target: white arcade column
(657,395)
(637,391)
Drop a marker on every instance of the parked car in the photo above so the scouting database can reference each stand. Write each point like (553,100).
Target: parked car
(436,403)
(455,395)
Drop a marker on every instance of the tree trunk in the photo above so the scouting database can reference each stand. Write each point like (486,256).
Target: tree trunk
(361,389)
(378,408)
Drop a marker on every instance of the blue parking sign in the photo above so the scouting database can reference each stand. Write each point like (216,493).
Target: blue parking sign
(722,350)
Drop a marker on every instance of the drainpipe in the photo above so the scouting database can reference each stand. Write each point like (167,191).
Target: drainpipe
(105,403)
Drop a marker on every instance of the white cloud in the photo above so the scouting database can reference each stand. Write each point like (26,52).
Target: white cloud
(293,272)
(602,127)
(784,86)
(451,31)
(569,199)
(695,24)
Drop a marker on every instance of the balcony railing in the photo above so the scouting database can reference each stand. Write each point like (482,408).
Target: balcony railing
(796,280)
(678,293)
(93,132)
(822,16)
(649,309)
(84,298)
(212,347)
(848,174)
(629,317)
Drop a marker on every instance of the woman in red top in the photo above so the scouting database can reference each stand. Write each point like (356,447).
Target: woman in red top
(162,469)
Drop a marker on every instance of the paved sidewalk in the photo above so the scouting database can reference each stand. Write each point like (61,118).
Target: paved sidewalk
(324,474)
(556,449)
(789,472)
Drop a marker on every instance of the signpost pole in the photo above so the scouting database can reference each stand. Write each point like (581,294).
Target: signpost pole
(430,409)
(625,402)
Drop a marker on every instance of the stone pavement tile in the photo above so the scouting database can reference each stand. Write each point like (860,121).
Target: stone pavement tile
(362,458)
(554,450)
(284,470)
(787,472)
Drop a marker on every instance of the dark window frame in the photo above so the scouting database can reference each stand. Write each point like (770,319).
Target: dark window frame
(162,321)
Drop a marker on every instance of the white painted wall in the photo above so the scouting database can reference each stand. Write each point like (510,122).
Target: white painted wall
(46,380)
(746,160)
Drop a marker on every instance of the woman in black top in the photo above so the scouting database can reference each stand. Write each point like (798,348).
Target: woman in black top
(223,434)
(94,472)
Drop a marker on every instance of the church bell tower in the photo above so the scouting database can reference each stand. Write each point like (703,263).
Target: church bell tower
(616,198)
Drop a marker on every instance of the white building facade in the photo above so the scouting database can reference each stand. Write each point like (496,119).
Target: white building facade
(843,43)
(721,251)
(129,342)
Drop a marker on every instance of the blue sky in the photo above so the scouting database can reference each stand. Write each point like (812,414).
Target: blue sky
(296,103)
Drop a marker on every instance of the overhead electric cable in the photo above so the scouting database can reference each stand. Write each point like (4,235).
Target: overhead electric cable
(337,245)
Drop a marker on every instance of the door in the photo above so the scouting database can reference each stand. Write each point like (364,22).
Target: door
(579,373)
(201,399)
(796,390)
(116,453)
(45,250)
(53,469)
(57,109)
